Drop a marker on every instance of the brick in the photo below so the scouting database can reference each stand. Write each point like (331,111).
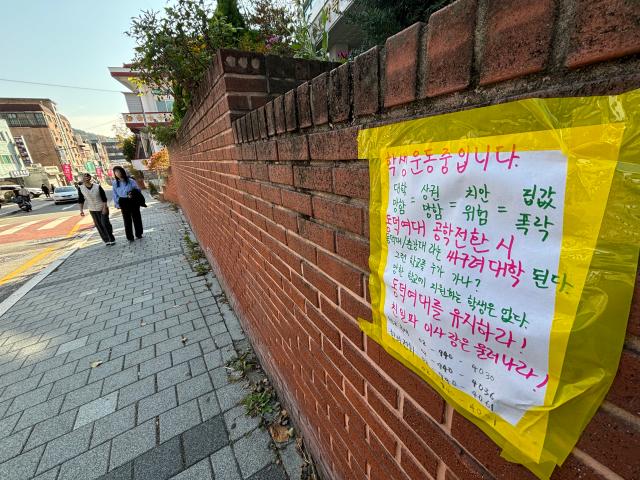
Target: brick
(319,107)
(22,466)
(300,202)
(235,83)
(624,391)
(254,123)
(318,234)
(304,106)
(518,39)
(340,93)
(163,461)
(270,118)
(193,388)
(178,420)
(281,174)
(224,464)
(262,123)
(343,322)
(313,178)
(113,425)
(290,114)
(351,180)
(12,445)
(321,281)
(293,148)
(484,450)
(438,442)
(132,443)
(154,405)
(88,465)
(355,306)
(285,218)
(134,392)
(603,30)
(96,409)
(302,247)
(173,375)
(341,272)
(271,194)
(449,48)
(415,387)
(339,144)
(401,66)
(342,215)
(266,150)
(353,249)
(248,151)
(278,111)
(253,453)
(50,429)
(65,447)
(238,102)
(614,442)
(366,91)
(205,439)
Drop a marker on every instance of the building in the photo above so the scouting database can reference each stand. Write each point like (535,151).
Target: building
(45,130)
(11,164)
(114,152)
(342,37)
(146,107)
(23,150)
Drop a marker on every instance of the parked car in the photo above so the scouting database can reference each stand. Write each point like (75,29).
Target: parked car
(35,192)
(7,191)
(65,194)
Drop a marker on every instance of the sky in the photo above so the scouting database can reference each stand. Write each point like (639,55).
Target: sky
(69,42)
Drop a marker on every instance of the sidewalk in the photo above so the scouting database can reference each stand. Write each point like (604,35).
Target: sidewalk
(160,403)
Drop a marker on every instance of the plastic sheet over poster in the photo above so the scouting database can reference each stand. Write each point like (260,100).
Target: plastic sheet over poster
(504,247)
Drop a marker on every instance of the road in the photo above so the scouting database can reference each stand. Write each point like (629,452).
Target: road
(30,241)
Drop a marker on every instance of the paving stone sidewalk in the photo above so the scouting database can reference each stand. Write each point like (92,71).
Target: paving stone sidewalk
(160,405)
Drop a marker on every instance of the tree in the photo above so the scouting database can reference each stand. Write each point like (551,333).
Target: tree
(159,161)
(128,146)
(272,22)
(173,51)
(379,19)
(229,10)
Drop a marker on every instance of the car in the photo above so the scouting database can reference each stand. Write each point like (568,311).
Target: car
(7,191)
(35,192)
(65,194)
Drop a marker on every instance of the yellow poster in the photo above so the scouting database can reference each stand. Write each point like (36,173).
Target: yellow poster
(488,230)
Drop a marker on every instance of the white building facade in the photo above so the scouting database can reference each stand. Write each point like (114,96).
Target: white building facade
(146,107)
(11,164)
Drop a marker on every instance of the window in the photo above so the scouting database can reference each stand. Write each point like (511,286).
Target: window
(164,105)
(24,119)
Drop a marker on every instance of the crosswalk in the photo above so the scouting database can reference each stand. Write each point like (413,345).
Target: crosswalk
(53,223)
(43,228)
(17,228)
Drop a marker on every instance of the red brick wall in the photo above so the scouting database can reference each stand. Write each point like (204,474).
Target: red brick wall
(169,192)
(276,195)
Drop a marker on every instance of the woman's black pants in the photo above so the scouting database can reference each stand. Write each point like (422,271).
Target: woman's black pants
(131,214)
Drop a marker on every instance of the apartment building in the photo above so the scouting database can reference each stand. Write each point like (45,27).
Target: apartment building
(45,130)
(146,107)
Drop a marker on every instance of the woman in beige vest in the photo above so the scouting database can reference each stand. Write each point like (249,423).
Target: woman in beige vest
(96,201)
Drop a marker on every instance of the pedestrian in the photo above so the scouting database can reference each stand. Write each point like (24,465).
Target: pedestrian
(126,200)
(45,190)
(96,199)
